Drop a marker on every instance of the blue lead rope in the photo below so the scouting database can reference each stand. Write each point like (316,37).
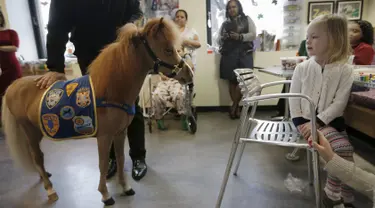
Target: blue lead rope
(125,107)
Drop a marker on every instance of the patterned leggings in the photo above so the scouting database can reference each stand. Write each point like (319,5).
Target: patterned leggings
(341,146)
(168,91)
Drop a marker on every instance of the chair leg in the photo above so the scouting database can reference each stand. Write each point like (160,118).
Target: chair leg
(293,155)
(317,184)
(309,166)
(226,175)
(239,158)
(232,155)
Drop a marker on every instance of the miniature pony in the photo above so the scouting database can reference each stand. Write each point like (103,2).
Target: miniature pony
(115,79)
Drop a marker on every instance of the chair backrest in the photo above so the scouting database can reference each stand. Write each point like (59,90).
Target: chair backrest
(248,82)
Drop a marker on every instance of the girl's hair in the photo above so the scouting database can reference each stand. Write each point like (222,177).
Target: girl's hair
(183,11)
(336,27)
(239,5)
(2,22)
(367,31)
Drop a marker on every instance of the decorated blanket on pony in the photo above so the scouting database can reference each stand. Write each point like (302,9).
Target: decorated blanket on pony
(68,110)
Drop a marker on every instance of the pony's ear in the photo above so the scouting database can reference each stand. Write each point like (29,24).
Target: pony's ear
(136,39)
(160,25)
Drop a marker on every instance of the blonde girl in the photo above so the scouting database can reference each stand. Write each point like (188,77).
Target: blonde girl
(327,80)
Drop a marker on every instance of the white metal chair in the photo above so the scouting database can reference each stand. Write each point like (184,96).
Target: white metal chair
(281,133)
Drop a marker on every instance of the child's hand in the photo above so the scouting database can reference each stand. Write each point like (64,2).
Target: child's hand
(185,42)
(324,147)
(305,130)
(163,77)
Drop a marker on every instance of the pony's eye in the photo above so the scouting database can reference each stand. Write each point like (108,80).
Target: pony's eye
(168,51)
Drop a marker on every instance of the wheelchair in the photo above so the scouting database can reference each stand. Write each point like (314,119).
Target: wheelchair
(146,102)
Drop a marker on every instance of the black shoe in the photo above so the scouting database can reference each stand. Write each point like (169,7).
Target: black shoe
(139,169)
(112,169)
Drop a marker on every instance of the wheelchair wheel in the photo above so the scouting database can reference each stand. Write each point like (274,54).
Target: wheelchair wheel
(192,121)
(192,124)
(149,123)
(195,114)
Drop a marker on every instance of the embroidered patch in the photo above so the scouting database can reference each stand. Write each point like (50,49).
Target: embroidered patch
(53,97)
(83,124)
(51,123)
(67,112)
(83,97)
(70,88)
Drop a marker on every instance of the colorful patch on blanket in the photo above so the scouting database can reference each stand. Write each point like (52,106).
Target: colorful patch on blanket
(68,110)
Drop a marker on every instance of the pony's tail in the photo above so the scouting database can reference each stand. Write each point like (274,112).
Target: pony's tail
(16,139)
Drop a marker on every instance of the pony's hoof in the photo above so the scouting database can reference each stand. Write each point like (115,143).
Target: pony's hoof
(129,192)
(53,197)
(109,202)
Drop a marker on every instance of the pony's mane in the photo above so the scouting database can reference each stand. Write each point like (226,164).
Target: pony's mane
(119,62)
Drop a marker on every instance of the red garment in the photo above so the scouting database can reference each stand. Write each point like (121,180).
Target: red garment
(10,67)
(363,54)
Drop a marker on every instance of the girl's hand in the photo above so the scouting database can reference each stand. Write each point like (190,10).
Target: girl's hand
(324,147)
(305,130)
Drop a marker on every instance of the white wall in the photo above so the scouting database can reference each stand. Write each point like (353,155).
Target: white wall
(211,91)
(369,11)
(19,19)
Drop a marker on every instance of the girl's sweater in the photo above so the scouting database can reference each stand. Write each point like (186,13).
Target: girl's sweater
(329,88)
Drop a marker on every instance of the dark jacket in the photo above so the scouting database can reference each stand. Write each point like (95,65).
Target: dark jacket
(239,25)
(93,24)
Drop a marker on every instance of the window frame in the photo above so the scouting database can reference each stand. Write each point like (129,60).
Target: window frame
(37,28)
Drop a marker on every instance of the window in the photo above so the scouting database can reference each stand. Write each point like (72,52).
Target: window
(281,18)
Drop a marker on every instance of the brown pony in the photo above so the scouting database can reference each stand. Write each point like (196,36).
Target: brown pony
(117,75)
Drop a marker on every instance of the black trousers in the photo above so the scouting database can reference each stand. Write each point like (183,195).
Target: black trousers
(136,129)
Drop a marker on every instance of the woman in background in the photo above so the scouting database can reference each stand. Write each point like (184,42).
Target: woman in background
(190,38)
(236,48)
(10,67)
(361,35)
(302,49)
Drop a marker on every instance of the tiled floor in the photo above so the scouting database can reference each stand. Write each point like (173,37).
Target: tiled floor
(184,171)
